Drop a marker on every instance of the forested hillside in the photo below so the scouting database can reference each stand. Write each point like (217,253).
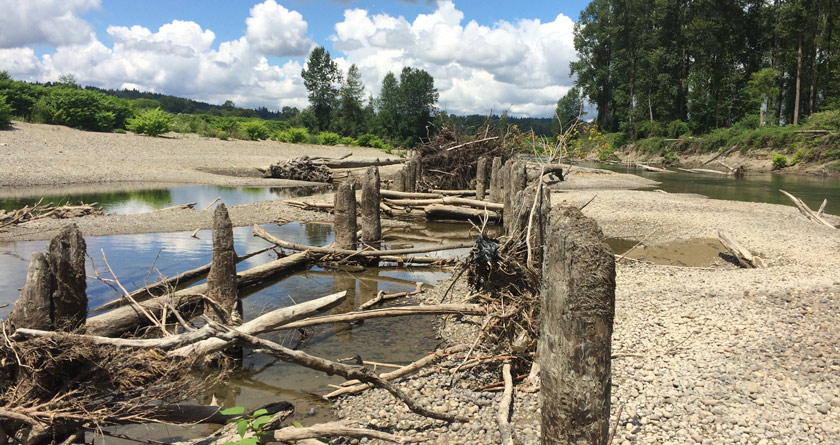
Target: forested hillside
(709,63)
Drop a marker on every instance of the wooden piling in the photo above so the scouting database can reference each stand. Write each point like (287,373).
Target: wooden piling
(495,188)
(33,308)
(577,309)
(480,178)
(523,221)
(66,257)
(411,175)
(507,213)
(221,280)
(399,180)
(418,173)
(345,216)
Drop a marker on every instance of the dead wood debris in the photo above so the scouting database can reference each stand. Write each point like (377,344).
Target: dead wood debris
(300,169)
(41,211)
(450,158)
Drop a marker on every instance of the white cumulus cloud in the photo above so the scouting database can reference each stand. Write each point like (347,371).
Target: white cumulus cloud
(277,31)
(36,22)
(522,66)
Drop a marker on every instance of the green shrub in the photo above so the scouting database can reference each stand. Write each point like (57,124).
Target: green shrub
(223,135)
(365,139)
(255,130)
(292,135)
(21,96)
(83,109)
(346,140)
(152,122)
(409,142)
(749,122)
(670,158)
(313,139)
(648,129)
(229,125)
(119,130)
(826,120)
(328,138)
(779,161)
(654,146)
(617,140)
(5,113)
(677,129)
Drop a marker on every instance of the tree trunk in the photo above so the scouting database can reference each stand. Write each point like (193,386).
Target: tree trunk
(480,178)
(345,216)
(494,179)
(66,256)
(798,83)
(221,281)
(578,307)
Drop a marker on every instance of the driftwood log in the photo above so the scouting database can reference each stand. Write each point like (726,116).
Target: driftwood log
(450,212)
(807,212)
(744,256)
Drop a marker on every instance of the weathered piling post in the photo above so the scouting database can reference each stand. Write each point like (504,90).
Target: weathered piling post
(577,310)
(371,225)
(517,180)
(54,296)
(221,280)
(410,175)
(507,213)
(345,215)
(399,180)
(480,178)
(66,253)
(495,177)
(418,172)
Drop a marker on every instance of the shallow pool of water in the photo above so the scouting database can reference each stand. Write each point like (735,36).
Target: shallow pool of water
(138,259)
(147,200)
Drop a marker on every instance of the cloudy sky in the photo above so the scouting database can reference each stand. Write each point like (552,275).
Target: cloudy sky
(483,55)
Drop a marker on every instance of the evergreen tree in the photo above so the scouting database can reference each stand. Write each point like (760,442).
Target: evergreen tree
(569,108)
(351,117)
(321,78)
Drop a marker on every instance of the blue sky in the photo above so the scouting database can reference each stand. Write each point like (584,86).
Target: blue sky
(483,55)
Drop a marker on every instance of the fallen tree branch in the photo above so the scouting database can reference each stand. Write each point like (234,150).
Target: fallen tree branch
(261,233)
(164,343)
(145,292)
(806,211)
(291,434)
(381,296)
(440,211)
(262,324)
(504,408)
(431,309)
(744,256)
(333,368)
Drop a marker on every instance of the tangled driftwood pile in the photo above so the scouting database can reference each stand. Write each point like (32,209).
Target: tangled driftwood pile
(39,211)
(450,159)
(300,169)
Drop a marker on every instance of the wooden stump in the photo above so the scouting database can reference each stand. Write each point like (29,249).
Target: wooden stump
(577,309)
(33,308)
(480,178)
(411,176)
(371,225)
(66,256)
(418,173)
(221,281)
(399,181)
(506,198)
(345,216)
(495,178)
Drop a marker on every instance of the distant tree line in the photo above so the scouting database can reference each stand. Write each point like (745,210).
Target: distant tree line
(704,64)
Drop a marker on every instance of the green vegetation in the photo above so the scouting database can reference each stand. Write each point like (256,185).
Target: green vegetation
(252,423)
(152,122)
(739,73)
(293,135)
(779,161)
(5,113)
(255,130)
(328,138)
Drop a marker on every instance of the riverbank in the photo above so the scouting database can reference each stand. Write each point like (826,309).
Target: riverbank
(42,155)
(701,355)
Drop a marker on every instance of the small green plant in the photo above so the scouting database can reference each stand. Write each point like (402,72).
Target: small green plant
(152,122)
(677,129)
(255,130)
(247,424)
(780,161)
(670,158)
(5,113)
(223,135)
(293,135)
(329,138)
(119,130)
(346,140)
